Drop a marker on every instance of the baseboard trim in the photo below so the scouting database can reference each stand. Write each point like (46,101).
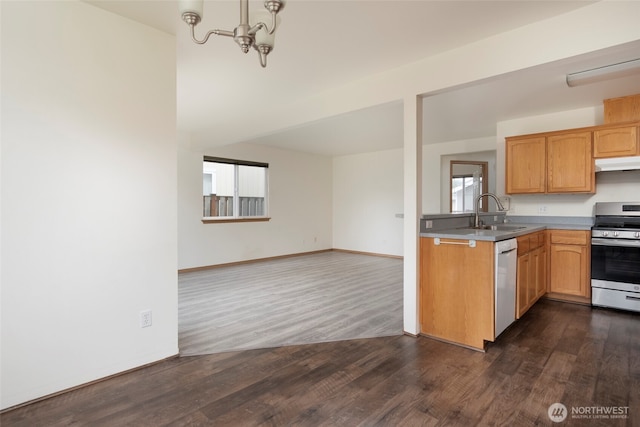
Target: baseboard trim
(574,299)
(433,337)
(409,334)
(251,261)
(83,385)
(367,253)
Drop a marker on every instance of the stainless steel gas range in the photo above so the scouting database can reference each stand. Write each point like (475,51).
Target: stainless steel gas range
(615,256)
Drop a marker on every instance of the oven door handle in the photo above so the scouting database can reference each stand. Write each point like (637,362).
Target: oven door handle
(595,241)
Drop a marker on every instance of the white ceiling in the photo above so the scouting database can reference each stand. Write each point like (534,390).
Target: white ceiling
(325,44)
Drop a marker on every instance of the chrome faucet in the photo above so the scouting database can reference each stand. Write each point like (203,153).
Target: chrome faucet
(476,222)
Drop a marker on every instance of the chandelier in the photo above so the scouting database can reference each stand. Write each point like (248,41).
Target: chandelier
(246,34)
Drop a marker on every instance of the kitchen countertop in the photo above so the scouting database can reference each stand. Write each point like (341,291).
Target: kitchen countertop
(468,233)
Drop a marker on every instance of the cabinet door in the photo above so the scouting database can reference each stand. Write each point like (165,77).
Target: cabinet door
(570,165)
(525,165)
(522,285)
(533,276)
(539,263)
(615,142)
(623,109)
(569,270)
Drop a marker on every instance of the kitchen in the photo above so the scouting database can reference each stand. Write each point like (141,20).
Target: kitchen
(460,300)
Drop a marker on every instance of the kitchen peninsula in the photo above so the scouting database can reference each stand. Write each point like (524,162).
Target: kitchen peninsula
(458,271)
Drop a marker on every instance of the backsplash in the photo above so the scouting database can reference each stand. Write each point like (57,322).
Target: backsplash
(429,223)
(555,220)
(445,221)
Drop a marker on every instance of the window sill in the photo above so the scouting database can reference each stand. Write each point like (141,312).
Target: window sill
(211,220)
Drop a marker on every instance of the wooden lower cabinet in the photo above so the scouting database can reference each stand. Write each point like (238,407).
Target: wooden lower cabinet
(570,264)
(457,291)
(531,277)
(457,281)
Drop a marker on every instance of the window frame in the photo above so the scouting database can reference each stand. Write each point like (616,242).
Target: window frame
(236,199)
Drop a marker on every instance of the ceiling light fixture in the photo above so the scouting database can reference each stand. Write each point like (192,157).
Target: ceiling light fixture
(259,35)
(604,73)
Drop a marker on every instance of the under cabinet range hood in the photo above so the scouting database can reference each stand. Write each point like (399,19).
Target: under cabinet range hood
(618,164)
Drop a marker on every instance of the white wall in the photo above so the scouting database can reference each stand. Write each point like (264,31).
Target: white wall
(88,196)
(367,195)
(299,207)
(610,186)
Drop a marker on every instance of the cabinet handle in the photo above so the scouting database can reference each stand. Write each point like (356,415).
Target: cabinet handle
(470,243)
(633,298)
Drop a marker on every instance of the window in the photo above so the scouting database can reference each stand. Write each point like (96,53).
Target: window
(464,192)
(467,183)
(234,189)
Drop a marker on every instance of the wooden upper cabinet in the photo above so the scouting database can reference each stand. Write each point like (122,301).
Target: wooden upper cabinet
(570,164)
(526,165)
(616,142)
(563,161)
(550,163)
(623,109)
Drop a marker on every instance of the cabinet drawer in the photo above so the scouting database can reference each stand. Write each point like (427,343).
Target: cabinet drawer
(529,242)
(537,240)
(524,244)
(616,299)
(569,237)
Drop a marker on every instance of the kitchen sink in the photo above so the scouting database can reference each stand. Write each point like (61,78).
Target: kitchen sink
(497,227)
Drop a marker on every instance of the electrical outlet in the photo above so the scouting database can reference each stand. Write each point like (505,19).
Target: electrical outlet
(506,202)
(542,209)
(145,318)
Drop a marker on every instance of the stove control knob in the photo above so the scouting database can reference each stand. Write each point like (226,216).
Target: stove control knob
(605,233)
(636,234)
(616,234)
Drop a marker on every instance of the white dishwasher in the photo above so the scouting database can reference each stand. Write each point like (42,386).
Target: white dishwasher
(505,281)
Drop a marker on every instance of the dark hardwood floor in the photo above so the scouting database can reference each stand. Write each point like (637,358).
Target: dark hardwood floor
(558,352)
